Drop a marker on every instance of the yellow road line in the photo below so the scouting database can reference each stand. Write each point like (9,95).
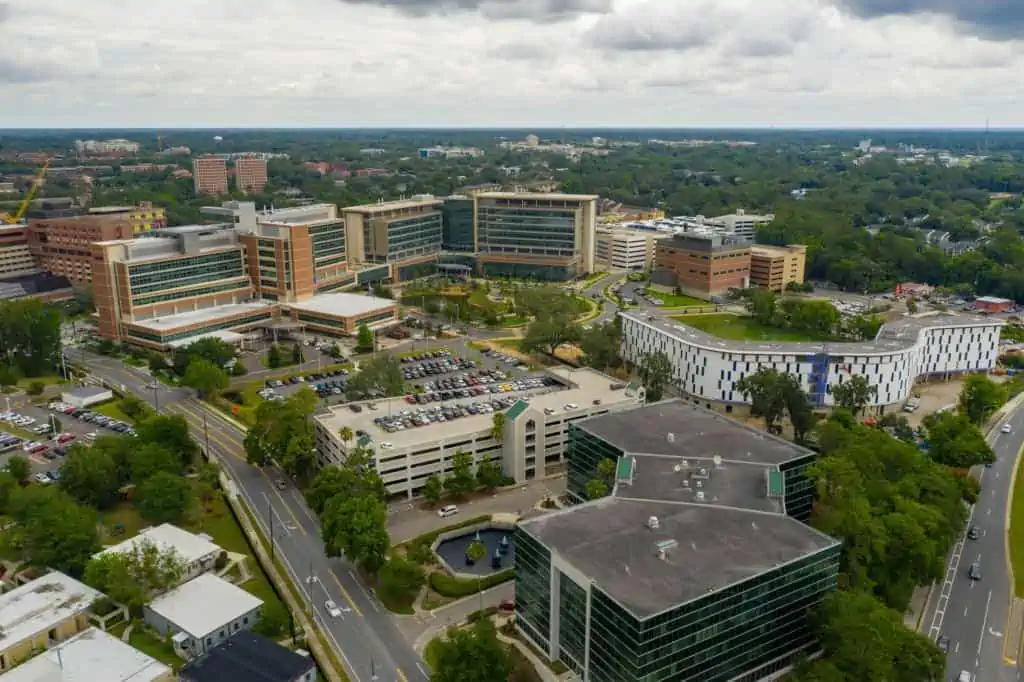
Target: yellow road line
(347,595)
(401,675)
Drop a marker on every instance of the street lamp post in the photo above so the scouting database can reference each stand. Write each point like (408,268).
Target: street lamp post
(206,434)
(270,513)
(156,395)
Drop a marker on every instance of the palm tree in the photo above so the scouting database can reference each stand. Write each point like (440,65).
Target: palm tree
(346,434)
(498,426)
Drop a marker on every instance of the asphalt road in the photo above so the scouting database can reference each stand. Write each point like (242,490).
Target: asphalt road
(973,613)
(608,309)
(364,634)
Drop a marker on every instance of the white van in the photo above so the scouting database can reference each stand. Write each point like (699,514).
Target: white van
(447,510)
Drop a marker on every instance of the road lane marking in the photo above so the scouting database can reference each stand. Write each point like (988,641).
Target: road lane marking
(345,592)
(362,589)
(984,622)
(401,675)
(273,511)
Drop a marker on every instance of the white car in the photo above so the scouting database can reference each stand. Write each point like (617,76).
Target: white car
(332,609)
(42,478)
(386,445)
(1006,428)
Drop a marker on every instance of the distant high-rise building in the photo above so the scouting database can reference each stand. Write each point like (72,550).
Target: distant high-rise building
(210,174)
(251,174)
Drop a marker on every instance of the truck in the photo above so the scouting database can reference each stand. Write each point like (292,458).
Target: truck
(912,404)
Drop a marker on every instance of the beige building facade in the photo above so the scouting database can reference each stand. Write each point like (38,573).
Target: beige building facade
(774,267)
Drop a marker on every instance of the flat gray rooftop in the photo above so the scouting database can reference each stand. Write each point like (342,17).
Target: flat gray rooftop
(893,336)
(695,433)
(740,485)
(609,542)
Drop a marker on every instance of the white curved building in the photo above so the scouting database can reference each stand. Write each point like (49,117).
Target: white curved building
(708,367)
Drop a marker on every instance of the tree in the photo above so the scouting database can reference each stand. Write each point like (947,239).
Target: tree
(20,468)
(90,476)
(356,477)
(956,441)
(476,551)
(134,575)
(854,394)
(766,391)
(400,580)
(433,489)
(148,459)
(335,351)
(163,498)
(282,433)
(896,511)
(297,357)
(595,489)
(461,481)
(8,377)
(547,334)
(208,482)
(274,359)
(51,530)
(157,362)
(35,388)
(171,431)
(213,350)
(274,620)
(206,377)
(30,337)
(911,306)
(981,397)
(356,528)
(382,375)
(364,339)
(498,426)
(134,407)
(471,655)
(600,345)
(606,469)
(761,304)
(345,434)
(656,373)
(865,640)
(489,474)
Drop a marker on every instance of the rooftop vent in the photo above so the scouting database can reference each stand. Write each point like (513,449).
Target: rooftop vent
(683,463)
(699,484)
(699,496)
(702,473)
(717,459)
(671,438)
(663,547)
(653,523)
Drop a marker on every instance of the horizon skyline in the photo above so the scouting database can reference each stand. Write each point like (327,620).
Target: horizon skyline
(816,64)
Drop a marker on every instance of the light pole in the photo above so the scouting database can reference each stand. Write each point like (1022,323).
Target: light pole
(373,669)
(206,434)
(156,395)
(270,513)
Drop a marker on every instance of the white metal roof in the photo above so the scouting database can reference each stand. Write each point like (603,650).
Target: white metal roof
(204,604)
(189,546)
(90,656)
(343,304)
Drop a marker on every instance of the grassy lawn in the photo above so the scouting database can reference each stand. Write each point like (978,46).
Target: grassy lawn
(148,643)
(678,300)
(47,380)
(1017,533)
(740,328)
(128,518)
(113,410)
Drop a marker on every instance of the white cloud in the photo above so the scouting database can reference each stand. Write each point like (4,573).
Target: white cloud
(497,62)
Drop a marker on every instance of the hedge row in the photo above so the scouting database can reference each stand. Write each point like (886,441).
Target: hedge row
(449,586)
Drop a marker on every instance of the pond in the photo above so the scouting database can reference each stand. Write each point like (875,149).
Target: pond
(501,551)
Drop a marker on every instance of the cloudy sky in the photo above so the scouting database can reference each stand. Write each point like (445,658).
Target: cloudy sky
(787,63)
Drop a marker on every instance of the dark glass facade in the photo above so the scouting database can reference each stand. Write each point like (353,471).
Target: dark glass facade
(799,488)
(525,230)
(584,452)
(744,632)
(457,228)
(328,244)
(533,589)
(536,271)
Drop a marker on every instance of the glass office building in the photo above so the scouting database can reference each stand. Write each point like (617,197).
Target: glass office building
(457,227)
(695,567)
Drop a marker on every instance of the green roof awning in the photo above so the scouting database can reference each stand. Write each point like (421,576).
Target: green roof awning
(776,484)
(516,410)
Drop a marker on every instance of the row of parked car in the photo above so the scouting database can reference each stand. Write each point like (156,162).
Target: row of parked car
(503,358)
(90,417)
(490,382)
(312,378)
(430,368)
(422,416)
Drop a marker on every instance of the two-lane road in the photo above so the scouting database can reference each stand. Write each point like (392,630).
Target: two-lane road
(973,613)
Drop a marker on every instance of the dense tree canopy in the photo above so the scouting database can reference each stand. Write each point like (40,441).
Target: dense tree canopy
(283,433)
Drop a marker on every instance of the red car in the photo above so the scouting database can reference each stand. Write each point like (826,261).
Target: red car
(65,437)
(507,605)
(39,448)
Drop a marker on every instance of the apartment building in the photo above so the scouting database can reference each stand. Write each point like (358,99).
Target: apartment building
(210,174)
(152,290)
(540,236)
(622,249)
(250,174)
(16,258)
(696,539)
(142,218)
(927,345)
(40,614)
(774,267)
(405,234)
(197,554)
(534,438)
(63,246)
(702,266)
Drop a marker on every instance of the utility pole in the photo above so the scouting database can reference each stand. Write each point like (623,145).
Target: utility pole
(156,394)
(206,434)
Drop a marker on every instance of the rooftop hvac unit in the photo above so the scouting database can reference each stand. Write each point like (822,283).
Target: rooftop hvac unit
(671,438)
(717,459)
(653,523)
(699,496)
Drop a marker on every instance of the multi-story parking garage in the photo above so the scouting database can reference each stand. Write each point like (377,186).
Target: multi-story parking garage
(913,348)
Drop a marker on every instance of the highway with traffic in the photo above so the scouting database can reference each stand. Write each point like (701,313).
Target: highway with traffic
(362,632)
(969,614)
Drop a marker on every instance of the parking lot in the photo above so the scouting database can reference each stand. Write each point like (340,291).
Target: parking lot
(329,385)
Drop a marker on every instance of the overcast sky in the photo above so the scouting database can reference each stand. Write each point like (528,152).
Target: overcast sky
(183,63)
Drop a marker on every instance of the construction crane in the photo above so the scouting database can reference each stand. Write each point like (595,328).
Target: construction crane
(37,182)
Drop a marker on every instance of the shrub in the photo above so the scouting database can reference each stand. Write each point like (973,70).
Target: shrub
(36,387)
(449,586)
(221,561)
(477,615)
